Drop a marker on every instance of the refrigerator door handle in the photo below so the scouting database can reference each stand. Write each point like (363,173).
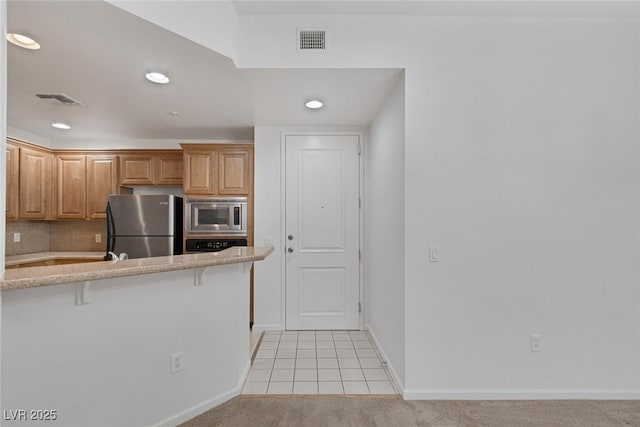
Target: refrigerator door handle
(111,231)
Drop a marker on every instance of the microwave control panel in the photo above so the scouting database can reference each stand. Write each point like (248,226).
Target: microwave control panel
(212,245)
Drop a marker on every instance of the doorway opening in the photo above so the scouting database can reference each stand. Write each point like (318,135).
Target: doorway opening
(322,182)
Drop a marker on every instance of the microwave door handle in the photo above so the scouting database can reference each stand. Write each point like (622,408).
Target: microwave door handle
(236,216)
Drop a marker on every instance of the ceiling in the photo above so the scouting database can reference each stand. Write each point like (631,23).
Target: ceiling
(620,8)
(98,54)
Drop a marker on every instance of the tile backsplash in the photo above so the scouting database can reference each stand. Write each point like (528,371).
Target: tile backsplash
(34,237)
(77,235)
(42,236)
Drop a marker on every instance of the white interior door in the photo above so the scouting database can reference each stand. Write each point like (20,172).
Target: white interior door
(322,231)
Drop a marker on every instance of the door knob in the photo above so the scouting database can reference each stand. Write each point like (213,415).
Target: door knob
(290,250)
(290,237)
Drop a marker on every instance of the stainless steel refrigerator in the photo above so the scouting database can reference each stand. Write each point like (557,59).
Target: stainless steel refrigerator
(144,226)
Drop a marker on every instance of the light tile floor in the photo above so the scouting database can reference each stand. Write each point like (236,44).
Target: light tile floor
(317,362)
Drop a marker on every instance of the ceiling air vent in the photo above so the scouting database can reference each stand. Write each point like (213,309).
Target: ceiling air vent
(60,98)
(312,40)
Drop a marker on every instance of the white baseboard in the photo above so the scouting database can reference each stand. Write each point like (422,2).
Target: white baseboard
(245,374)
(397,382)
(522,394)
(500,394)
(203,407)
(198,409)
(267,327)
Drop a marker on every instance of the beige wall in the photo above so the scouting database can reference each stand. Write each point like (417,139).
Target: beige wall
(42,236)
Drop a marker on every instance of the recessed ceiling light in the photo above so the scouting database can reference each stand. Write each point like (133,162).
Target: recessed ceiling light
(61,126)
(23,41)
(314,104)
(157,78)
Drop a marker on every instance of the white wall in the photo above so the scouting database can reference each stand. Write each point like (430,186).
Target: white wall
(160,190)
(384,230)
(212,24)
(521,151)
(107,363)
(267,288)
(3,152)
(523,160)
(268,279)
(3,133)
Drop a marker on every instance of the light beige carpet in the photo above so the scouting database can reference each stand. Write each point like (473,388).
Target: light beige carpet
(331,411)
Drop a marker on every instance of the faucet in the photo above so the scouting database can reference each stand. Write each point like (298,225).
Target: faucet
(116,258)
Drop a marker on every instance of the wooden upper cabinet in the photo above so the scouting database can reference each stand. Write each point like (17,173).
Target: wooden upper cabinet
(12,209)
(218,169)
(137,169)
(151,168)
(83,184)
(102,180)
(200,171)
(42,184)
(35,183)
(71,186)
(169,168)
(235,167)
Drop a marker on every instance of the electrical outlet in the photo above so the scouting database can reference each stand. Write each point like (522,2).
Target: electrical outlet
(16,237)
(177,362)
(434,253)
(98,238)
(536,343)
(268,241)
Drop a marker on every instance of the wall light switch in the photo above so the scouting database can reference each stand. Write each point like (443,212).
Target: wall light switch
(434,253)
(98,238)
(16,237)
(536,343)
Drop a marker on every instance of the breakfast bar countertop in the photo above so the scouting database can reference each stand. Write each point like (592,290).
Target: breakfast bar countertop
(12,260)
(32,277)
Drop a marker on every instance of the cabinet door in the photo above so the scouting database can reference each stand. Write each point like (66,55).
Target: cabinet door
(35,184)
(102,180)
(235,171)
(12,210)
(137,169)
(169,169)
(199,171)
(71,186)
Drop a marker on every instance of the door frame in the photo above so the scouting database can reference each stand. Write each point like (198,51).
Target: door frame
(283,200)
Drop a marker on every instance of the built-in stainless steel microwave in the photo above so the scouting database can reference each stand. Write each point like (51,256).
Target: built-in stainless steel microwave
(216,216)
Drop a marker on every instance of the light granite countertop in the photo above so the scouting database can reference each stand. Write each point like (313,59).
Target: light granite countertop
(47,256)
(32,277)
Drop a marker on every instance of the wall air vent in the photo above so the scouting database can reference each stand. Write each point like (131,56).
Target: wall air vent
(60,99)
(312,40)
